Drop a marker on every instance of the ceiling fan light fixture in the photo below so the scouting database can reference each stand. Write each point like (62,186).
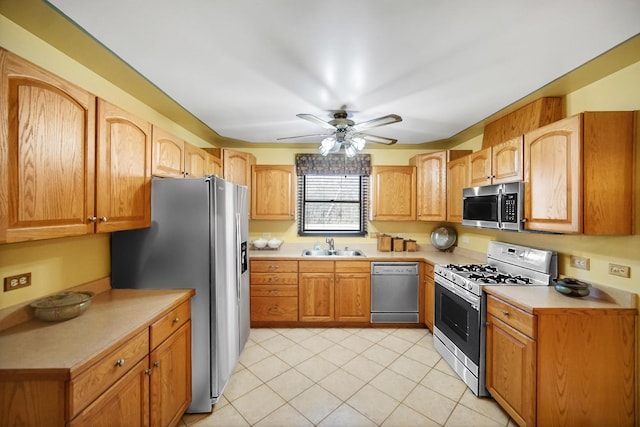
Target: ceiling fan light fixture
(358,142)
(350,150)
(327,145)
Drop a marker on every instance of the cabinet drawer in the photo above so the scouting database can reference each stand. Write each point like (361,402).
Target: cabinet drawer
(353,267)
(268,309)
(512,316)
(169,323)
(274,279)
(316,267)
(274,290)
(263,266)
(99,377)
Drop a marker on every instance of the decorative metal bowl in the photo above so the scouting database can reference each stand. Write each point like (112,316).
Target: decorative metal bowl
(62,306)
(443,238)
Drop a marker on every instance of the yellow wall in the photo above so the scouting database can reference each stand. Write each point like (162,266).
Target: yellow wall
(59,264)
(62,263)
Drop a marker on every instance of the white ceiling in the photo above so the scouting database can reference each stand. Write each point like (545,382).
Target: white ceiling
(247,67)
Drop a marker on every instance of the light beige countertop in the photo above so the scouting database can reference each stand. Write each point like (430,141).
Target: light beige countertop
(424,253)
(539,299)
(63,348)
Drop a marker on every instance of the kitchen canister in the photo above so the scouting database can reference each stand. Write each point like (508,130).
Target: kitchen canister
(398,244)
(410,245)
(384,243)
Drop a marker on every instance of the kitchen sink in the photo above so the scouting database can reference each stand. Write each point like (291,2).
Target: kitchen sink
(336,253)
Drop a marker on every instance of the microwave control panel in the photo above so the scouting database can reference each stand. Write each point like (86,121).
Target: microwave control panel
(510,207)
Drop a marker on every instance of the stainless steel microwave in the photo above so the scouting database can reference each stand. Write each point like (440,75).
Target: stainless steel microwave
(499,207)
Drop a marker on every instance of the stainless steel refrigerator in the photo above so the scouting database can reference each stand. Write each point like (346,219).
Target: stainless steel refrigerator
(197,239)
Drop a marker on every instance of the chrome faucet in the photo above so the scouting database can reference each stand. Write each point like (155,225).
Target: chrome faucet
(329,240)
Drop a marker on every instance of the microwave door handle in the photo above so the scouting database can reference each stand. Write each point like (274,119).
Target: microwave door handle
(500,208)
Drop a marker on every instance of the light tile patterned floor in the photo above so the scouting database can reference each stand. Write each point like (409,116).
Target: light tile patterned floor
(346,377)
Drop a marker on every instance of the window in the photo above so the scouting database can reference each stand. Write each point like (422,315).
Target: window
(332,205)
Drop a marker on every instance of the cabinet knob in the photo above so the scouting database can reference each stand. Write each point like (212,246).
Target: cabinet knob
(274,279)
(147,371)
(120,362)
(92,219)
(156,363)
(505,312)
(176,320)
(104,219)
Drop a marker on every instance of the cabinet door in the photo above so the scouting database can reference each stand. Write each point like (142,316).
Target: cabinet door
(480,168)
(431,189)
(316,297)
(123,178)
(511,371)
(126,403)
(214,166)
(353,297)
(457,179)
(170,393)
(273,192)
(237,166)
(47,154)
(429,296)
(507,161)
(393,193)
(195,161)
(168,154)
(553,177)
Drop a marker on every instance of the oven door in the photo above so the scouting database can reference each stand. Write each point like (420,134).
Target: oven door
(457,315)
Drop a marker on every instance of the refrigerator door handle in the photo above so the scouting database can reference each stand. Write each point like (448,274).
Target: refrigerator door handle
(240,256)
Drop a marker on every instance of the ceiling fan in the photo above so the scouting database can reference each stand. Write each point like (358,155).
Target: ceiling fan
(346,133)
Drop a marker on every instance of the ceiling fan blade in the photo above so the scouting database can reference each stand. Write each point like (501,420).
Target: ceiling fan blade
(380,121)
(314,119)
(378,139)
(304,136)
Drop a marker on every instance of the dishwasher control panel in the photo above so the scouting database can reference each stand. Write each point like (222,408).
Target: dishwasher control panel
(394,268)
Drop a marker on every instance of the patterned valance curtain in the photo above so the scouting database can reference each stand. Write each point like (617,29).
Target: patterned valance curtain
(333,164)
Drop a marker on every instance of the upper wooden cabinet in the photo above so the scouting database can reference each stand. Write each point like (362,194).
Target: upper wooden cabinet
(457,179)
(214,165)
(498,164)
(393,193)
(236,166)
(273,192)
(168,154)
(59,176)
(431,189)
(195,161)
(123,175)
(175,158)
(47,154)
(578,174)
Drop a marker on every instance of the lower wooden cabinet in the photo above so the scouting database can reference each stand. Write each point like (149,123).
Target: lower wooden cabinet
(126,403)
(562,366)
(353,291)
(274,291)
(337,291)
(144,381)
(429,296)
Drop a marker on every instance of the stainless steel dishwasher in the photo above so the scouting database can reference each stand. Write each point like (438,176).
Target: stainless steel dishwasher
(394,292)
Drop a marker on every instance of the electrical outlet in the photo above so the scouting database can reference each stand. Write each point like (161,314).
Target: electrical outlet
(373,235)
(620,270)
(580,262)
(16,282)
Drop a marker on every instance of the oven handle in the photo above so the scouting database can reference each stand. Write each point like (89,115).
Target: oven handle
(474,300)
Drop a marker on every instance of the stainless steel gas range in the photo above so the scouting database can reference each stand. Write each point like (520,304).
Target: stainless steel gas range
(460,305)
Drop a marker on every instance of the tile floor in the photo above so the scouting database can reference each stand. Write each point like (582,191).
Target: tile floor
(346,377)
